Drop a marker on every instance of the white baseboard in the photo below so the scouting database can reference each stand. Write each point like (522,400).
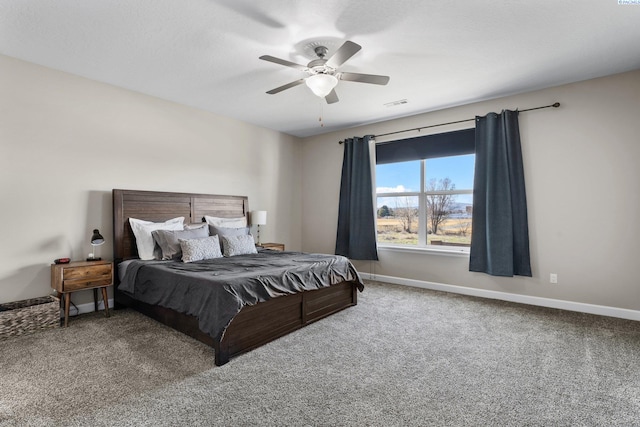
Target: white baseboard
(87,308)
(601,310)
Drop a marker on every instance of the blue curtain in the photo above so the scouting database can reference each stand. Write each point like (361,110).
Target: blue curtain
(500,236)
(356,237)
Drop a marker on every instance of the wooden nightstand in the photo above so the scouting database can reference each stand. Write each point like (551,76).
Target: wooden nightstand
(80,275)
(272,246)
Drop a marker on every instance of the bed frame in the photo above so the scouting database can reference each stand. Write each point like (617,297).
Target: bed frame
(254,325)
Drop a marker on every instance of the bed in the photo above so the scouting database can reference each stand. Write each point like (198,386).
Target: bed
(254,324)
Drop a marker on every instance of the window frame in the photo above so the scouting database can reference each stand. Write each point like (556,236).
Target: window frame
(422,194)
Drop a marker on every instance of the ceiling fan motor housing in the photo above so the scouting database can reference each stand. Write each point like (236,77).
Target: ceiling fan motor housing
(318,66)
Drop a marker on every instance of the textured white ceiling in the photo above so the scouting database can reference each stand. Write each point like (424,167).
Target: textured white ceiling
(204,53)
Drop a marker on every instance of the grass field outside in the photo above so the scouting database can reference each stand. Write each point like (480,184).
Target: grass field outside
(451,232)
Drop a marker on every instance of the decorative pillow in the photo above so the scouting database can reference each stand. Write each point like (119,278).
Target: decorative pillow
(238,245)
(144,240)
(199,249)
(168,240)
(226,222)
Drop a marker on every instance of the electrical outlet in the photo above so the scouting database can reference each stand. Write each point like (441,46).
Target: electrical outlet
(553,278)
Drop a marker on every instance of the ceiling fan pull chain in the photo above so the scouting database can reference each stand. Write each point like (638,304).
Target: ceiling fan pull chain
(320,118)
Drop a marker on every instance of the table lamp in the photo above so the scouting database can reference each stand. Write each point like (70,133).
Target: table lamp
(96,240)
(258,218)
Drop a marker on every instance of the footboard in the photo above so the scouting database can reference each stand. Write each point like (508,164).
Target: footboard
(264,322)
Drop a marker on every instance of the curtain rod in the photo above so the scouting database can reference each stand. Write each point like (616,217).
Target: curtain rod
(554,105)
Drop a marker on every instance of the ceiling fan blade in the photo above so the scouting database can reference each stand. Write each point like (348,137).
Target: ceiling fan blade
(332,98)
(344,52)
(365,78)
(284,62)
(285,87)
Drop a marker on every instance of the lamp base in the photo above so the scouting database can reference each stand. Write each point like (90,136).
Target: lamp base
(94,259)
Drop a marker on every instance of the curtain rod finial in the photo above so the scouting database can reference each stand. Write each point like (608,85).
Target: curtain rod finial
(556,105)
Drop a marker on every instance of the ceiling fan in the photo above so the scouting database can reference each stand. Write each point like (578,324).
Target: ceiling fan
(322,73)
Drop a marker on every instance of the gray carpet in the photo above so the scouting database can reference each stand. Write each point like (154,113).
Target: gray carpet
(403,356)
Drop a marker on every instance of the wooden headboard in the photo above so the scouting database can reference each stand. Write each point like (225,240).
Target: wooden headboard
(159,206)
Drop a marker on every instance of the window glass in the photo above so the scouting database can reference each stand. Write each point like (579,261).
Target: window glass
(397,221)
(398,177)
(459,169)
(437,213)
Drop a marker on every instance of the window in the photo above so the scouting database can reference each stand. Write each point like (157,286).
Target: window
(426,201)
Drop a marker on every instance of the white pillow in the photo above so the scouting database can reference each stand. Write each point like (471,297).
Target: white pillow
(238,245)
(144,240)
(198,249)
(226,222)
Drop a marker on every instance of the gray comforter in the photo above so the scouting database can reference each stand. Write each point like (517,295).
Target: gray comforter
(216,290)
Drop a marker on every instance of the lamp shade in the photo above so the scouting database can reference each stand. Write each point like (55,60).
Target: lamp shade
(97,239)
(321,84)
(258,217)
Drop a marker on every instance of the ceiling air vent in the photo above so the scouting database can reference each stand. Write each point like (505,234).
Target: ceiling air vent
(396,103)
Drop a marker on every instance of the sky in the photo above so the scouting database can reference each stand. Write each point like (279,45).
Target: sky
(405,176)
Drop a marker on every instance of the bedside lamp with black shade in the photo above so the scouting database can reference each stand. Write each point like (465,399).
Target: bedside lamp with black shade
(96,240)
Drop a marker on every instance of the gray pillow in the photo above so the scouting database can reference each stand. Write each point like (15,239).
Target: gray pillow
(199,249)
(227,232)
(238,245)
(168,240)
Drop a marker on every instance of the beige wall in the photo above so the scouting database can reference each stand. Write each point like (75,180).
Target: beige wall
(66,142)
(582,178)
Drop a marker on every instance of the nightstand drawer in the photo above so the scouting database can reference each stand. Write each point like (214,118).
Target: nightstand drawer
(87,273)
(77,284)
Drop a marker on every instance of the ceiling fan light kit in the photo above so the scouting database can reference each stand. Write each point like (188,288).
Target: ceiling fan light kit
(322,77)
(321,84)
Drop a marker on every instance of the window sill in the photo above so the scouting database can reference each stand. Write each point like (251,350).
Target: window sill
(444,251)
